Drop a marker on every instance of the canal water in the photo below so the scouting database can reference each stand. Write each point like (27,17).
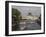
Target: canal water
(30,25)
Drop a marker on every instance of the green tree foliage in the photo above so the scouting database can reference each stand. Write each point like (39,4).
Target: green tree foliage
(16,13)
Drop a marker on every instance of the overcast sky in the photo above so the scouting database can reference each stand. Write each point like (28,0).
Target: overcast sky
(26,9)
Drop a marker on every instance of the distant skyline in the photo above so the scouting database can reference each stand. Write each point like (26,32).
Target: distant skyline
(36,11)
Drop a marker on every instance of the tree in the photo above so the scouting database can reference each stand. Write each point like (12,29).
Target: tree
(39,20)
(29,14)
(16,13)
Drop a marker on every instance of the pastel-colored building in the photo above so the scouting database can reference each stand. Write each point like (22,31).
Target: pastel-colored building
(30,17)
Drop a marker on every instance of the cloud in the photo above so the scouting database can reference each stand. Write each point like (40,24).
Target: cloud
(36,11)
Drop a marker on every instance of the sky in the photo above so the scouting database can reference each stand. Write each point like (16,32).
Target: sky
(36,11)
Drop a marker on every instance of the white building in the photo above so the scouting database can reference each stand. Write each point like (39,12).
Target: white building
(30,17)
